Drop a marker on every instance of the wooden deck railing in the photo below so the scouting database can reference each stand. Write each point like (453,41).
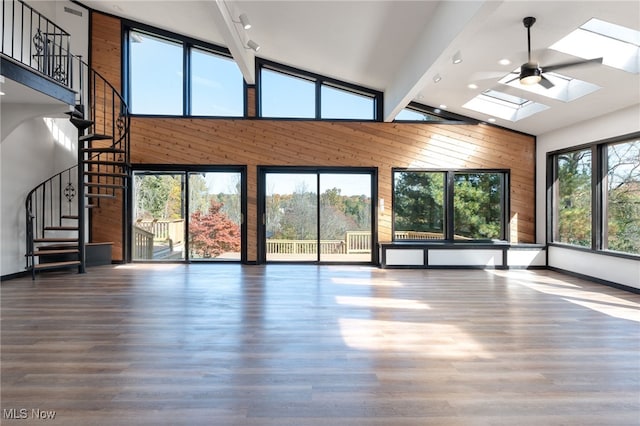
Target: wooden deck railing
(164,230)
(142,243)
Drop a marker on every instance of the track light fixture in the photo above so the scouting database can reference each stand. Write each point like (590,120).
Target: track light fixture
(244,20)
(253,45)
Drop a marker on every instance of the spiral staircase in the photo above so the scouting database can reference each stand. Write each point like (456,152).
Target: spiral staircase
(58,209)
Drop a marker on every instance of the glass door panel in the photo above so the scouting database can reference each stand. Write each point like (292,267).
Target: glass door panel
(291,216)
(158,224)
(345,217)
(215,216)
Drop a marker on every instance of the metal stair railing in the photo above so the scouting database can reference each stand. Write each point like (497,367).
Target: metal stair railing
(103,167)
(30,38)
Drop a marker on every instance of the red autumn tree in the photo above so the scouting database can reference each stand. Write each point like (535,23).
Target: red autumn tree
(213,233)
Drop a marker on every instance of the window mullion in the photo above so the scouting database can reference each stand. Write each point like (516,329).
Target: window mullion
(449,210)
(186,81)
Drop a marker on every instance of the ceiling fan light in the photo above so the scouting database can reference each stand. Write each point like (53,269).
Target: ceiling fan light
(530,76)
(530,80)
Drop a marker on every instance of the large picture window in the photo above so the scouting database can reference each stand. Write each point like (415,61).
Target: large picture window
(449,205)
(155,75)
(623,197)
(595,196)
(478,209)
(574,198)
(168,74)
(286,92)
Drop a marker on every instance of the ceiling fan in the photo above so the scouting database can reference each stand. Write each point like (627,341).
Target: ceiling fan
(532,73)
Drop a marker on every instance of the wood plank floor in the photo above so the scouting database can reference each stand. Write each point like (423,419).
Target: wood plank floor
(227,344)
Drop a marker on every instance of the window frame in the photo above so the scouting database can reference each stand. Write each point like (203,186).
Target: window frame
(188,44)
(449,208)
(599,172)
(439,115)
(319,81)
(185,170)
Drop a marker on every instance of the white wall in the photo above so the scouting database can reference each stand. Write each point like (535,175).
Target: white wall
(34,148)
(618,270)
(28,155)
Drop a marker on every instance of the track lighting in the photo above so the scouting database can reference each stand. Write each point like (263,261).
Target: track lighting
(253,45)
(244,20)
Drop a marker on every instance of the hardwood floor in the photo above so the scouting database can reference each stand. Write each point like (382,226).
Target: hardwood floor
(315,345)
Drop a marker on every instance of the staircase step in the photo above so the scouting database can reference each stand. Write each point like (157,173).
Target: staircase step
(66,246)
(104,185)
(56,265)
(90,195)
(55,240)
(76,113)
(106,163)
(116,175)
(81,123)
(54,252)
(60,228)
(107,149)
(94,137)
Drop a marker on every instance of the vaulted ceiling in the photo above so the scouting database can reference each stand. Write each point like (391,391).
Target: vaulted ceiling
(398,47)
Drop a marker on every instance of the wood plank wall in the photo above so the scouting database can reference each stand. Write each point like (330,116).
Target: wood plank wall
(254,142)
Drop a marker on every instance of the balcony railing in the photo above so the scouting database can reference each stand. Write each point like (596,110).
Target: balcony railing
(33,40)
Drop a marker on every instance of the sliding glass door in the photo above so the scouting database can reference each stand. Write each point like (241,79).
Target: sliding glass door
(291,220)
(187,215)
(318,215)
(215,216)
(345,217)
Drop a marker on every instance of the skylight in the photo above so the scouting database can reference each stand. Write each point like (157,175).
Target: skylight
(617,45)
(564,88)
(504,105)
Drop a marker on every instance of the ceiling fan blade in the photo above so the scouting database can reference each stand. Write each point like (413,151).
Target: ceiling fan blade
(513,79)
(572,64)
(545,82)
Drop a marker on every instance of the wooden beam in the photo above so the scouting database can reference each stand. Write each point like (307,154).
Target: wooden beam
(448,21)
(233,35)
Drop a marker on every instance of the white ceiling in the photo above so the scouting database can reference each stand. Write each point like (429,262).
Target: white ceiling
(398,46)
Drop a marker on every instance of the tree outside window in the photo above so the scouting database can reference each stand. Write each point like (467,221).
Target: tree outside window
(573,209)
(623,197)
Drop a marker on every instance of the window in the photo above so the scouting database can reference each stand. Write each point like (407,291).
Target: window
(172,75)
(286,92)
(216,85)
(595,196)
(155,75)
(338,103)
(574,198)
(284,95)
(450,205)
(477,206)
(182,215)
(623,197)
(418,205)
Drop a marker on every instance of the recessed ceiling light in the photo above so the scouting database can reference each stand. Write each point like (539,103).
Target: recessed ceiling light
(437,111)
(472,86)
(491,120)
(504,61)
(443,106)
(1,93)
(436,78)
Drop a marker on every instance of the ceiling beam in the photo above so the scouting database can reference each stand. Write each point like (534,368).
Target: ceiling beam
(233,36)
(448,21)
